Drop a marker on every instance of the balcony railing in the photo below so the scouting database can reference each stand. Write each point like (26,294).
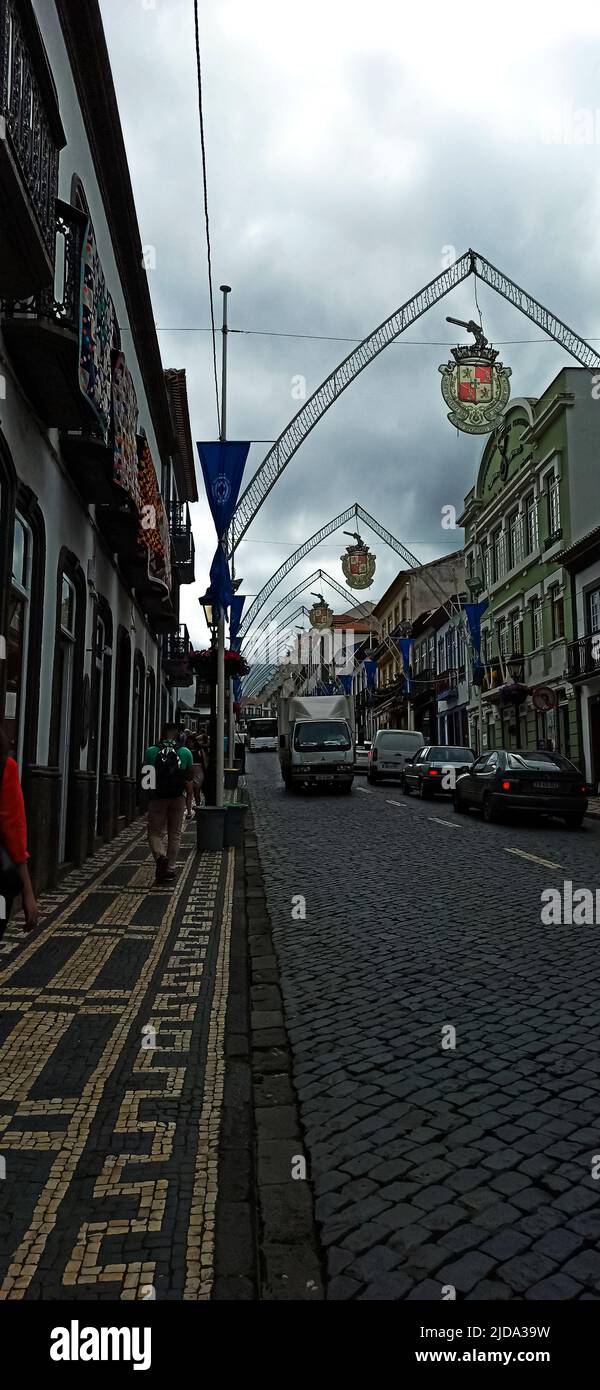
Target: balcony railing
(31,137)
(583,656)
(176,648)
(183,541)
(42,331)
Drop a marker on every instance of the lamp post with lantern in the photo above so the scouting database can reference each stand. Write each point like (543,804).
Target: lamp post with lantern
(211,771)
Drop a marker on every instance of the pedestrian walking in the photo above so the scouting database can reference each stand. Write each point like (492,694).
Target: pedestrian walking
(14,872)
(170,794)
(198,770)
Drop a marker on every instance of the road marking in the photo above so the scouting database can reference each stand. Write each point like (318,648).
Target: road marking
(365,790)
(402,804)
(451,823)
(547,863)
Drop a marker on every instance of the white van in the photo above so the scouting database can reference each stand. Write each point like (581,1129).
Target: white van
(391,748)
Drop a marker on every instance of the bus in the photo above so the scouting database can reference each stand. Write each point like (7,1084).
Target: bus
(261,734)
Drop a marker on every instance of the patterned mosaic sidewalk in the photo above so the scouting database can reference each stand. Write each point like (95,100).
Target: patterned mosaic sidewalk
(112,1021)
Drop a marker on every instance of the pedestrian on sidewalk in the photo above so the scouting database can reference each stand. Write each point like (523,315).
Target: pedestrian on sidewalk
(14,872)
(198,770)
(169,796)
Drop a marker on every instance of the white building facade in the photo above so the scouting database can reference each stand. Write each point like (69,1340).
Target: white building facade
(96,459)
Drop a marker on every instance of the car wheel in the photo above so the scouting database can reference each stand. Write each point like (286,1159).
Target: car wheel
(489,812)
(372,778)
(425,792)
(405,787)
(459,805)
(575,821)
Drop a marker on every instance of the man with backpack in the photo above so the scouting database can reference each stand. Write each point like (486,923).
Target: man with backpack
(171,782)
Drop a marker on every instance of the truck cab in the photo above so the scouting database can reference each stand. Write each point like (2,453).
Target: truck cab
(316,745)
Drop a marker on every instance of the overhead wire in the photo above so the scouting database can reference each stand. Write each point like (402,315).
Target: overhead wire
(206,217)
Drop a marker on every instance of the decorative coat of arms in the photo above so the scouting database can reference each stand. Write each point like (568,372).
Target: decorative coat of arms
(320,615)
(475,385)
(358,563)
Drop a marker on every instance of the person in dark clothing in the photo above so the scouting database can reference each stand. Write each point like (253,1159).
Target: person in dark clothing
(14,872)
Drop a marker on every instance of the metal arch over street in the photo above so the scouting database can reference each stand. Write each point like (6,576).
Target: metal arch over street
(354,511)
(471,263)
(294,593)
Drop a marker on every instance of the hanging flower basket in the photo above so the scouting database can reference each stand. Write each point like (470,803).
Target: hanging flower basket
(204,664)
(514,694)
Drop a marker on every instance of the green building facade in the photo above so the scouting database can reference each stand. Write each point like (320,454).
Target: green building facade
(537,490)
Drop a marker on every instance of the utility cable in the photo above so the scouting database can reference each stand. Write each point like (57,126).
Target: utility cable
(206,219)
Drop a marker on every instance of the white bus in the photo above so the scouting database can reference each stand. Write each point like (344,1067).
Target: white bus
(261,734)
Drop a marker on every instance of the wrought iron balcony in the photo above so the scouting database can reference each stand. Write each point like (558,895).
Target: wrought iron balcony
(583,657)
(31,137)
(42,332)
(182,540)
(176,648)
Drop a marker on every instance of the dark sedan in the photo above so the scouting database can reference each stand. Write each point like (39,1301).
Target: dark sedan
(435,770)
(508,780)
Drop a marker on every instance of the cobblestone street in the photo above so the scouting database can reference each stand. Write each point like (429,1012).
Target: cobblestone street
(468,1166)
(111,1058)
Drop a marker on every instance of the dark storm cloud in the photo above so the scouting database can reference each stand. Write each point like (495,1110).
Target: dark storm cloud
(348,149)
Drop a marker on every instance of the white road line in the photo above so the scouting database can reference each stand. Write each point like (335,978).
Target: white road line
(402,804)
(365,790)
(547,863)
(453,825)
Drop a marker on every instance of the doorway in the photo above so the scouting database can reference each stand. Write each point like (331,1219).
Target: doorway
(66,662)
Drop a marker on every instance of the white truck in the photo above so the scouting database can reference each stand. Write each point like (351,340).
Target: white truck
(316,745)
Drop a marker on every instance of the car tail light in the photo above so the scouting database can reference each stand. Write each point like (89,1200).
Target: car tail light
(583,789)
(434,772)
(373,754)
(506,786)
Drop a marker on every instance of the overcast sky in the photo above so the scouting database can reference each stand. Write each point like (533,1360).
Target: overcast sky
(349,148)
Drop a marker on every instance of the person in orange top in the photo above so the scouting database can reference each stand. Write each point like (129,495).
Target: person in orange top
(14,872)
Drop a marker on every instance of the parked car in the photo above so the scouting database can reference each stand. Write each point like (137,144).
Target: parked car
(391,748)
(507,780)
(361,756)
(433,771)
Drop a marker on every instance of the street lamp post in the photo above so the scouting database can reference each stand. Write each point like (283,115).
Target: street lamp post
(220,745)
(211,772)
(475,587)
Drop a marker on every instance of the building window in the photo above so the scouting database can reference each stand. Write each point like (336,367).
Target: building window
(532,524)
(558,612)
(499,544)
(488,562)
(516,631)
(449,651)
(18,635)
(503,633)
(553,495)
(417,661)
(441,654)
(485,649)
(537,624)
(515,540)
(397,615)
(431,654)
(594,610)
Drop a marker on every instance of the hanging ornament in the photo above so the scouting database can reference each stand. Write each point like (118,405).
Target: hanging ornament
(475,385)
(358,563)
(321,615)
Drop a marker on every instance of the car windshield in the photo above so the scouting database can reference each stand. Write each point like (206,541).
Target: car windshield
(262,728)
(322,734)
(539,762)
(450,755)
